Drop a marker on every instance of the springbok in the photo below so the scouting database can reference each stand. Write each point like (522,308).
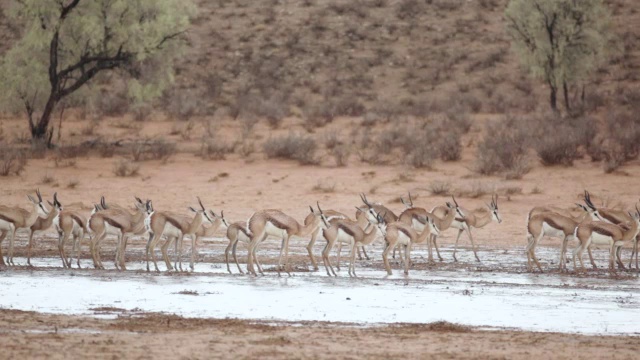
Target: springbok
(399,233)
(365,216)
(275,223)
(41,224)
(331,215)
(237,232)
(602,233)
(469,220)
(417,218)
(615,217)
(14,218)
(116,221)
(348,232)
(175,226)
(554,225)
(68,223)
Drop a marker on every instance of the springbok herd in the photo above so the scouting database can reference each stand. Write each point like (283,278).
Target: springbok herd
(592,226)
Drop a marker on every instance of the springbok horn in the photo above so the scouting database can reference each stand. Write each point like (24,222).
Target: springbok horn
(454,200)
(200,202)
(39,196)
(410,199)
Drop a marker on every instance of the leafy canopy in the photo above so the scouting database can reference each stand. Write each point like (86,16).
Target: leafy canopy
(138,38)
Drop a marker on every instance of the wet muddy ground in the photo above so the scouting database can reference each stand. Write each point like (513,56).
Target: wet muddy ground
(494,293)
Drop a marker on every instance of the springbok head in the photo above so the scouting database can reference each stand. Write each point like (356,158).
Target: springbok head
(38,206)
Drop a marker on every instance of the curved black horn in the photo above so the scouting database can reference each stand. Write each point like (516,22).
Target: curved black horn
(39,195)
(410,199)
(103,203)
(454,200)
(138,200)
(200,202)
(318,204)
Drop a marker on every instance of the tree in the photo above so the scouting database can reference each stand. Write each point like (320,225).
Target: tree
(67,43)
(560,41)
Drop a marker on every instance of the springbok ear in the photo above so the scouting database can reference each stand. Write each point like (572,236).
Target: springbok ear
(50,203)
(32,199)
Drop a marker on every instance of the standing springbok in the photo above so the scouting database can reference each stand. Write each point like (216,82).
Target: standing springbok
(331,216)
(469,220)
(275,223)
(366,215)
(41,224)
(348,232)
(602,233)
(237,232)
(614,217)
(116,221)
(399,233)
(175,226)
(14,218)
(69,223)
(556,225)
(417,218)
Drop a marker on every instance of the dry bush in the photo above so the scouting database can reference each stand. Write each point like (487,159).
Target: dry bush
(182,104)
(504,149)
(13,162)
(89,129)
(476,190)
(447,5)
(73,184)
(47,179)
(324,186)
(106,150)
(440,188)
(558,141)
(125,168)
(157,149)
(318,115)
(112,103)
(292,147)
(213,149)
(341,154)
(142,112)
(274,108)
(622,139)
(408,9)
(459,119)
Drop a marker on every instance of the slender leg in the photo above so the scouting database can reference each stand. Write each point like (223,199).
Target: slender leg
(473,246)
(314,234)
(563,253)
(527,250)
(3,234)
(325,257)
(11,240)
(619,259)
(394,253)
(576,251)
(194,241)
(61,249)
(226,253)
(612,254)
(235,257)
(407,256)
(456,245)
(352,258)
(385,257)
(435,244)
(255,258)
(430,242)
(123,252)
(147,249)
(30,244)
(532,250)
(364,251)
(77,243)
(165,251)
(593,263)
(287,265)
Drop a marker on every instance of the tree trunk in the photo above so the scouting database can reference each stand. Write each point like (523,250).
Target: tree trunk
(565,91)
(40,131)
(553,97)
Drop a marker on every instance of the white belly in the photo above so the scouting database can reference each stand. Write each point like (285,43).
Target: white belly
(344,238)
(403,239)
(272,230)
(417,225)
(599,239)
(5,225)
(242,237)
(171,231)
(111,230)
(460,225)
(551,231)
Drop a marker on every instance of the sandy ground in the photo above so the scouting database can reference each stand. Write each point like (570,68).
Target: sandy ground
(33,335)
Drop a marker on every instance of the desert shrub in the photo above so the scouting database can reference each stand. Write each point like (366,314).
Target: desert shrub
(449,146)
(13,162)
(447,5)
(557,141)
(341,154)
(111,103)
(440,188)
(293,147)
(158,149)
(318,115)
(503,149)
(142,112)
(459,119)
(214,149)
(125,168)
(331,139)
(407,9)
(182,104)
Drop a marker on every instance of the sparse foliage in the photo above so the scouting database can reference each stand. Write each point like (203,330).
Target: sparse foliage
(560,41)
(293,147)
